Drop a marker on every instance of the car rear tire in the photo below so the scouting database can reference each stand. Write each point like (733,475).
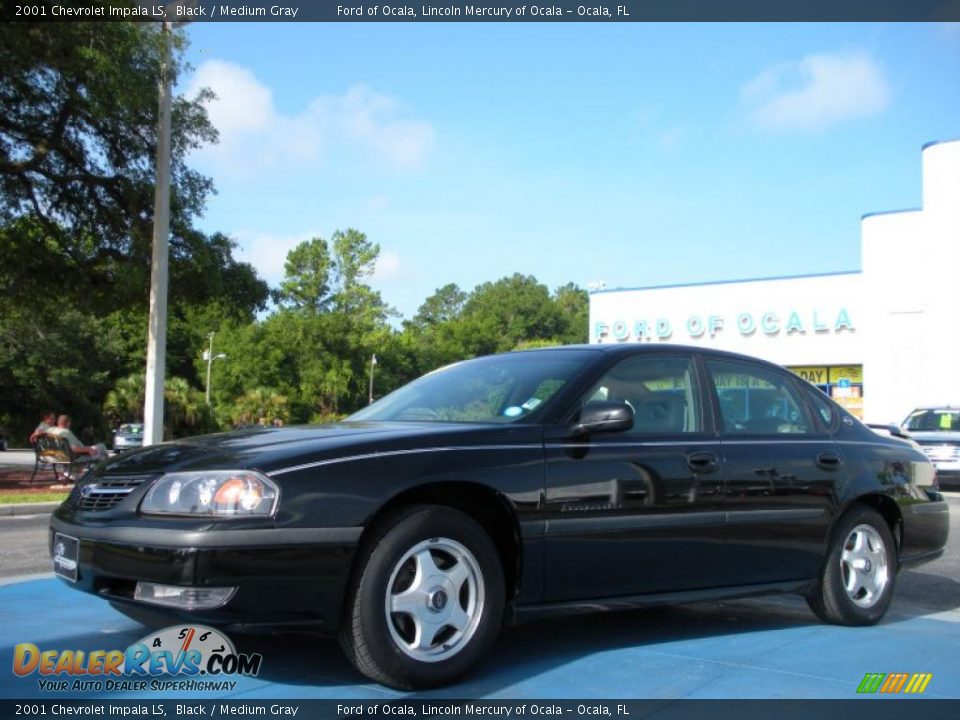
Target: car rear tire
(858,577)
(427,599)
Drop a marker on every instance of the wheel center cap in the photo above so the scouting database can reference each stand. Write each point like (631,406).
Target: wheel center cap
(437,600)
(867,566)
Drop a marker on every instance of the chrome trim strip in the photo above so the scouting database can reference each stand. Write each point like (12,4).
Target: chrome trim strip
(86,490)
(652,443)
(748,517)
(617,523)
(396,453)
(254,538)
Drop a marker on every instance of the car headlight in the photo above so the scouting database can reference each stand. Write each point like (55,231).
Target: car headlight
(228,493)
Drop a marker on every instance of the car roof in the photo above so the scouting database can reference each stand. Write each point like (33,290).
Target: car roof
(626,348)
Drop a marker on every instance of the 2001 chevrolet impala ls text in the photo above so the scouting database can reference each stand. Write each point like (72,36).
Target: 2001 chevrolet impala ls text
(508,487)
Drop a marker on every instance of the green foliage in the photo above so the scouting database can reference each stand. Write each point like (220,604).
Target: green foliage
(78,118)
(78,136)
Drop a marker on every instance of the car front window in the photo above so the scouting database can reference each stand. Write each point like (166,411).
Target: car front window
(934,420)
(498,389)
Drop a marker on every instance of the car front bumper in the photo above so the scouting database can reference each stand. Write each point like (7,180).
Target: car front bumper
(282,577)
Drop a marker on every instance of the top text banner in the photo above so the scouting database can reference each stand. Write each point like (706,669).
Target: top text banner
(503,11)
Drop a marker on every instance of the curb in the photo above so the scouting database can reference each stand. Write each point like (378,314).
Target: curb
(41,508)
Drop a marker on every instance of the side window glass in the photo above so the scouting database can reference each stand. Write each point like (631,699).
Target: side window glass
(821,405)
(660,391)
(755,400)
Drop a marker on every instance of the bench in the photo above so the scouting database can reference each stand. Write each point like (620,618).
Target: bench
(54,453)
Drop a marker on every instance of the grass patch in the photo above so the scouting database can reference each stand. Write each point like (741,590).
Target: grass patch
(18,498)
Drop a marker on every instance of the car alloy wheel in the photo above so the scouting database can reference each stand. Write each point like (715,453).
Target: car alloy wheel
(426,600)
(434,599)
(863,565)
(859,572)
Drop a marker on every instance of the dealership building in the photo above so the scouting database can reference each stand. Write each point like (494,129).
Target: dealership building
(881,341)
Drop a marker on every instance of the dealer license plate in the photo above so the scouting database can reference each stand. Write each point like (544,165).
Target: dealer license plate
(66,550)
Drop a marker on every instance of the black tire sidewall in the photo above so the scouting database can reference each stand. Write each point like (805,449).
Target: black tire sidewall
(835,601)
(422,524)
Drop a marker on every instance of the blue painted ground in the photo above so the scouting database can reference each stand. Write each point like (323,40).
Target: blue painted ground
(765,648)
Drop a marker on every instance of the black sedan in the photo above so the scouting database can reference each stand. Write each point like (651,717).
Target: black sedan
(505,488)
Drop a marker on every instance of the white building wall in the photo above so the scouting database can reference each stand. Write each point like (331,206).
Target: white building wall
(899,317)
(911,266)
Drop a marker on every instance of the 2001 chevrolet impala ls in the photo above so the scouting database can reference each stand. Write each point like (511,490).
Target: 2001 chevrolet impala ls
(507,487)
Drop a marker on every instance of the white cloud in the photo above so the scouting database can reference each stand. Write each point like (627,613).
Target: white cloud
(255,136)
(268,253)
(817,91)
(389,266)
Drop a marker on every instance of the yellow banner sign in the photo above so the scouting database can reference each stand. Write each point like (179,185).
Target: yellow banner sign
(813,374)
(823,375)
(853,373)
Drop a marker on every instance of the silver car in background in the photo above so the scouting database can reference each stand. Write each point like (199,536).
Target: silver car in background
(937,430)
(128,436)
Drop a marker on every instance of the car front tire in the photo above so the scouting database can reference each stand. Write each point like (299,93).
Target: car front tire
(427,599)
(857,582)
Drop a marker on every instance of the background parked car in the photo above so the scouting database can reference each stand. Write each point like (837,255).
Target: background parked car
(128,436)
(937,429)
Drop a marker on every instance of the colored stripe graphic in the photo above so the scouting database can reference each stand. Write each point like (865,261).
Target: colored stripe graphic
(871,682)
(894,683)
(918,683)
(890,683)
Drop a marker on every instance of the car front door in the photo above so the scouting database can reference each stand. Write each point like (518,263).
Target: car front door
(637,511)
(782,471)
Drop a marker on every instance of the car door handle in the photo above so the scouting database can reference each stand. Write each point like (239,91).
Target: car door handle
(703,462)
(829,461)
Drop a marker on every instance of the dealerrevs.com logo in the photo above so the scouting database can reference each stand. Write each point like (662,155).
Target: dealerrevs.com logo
(205,657)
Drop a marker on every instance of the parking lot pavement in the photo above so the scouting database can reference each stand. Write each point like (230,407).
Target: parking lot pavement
(760,648)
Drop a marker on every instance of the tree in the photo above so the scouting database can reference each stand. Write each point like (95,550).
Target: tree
(444,305)
(502,314)
(307,270)
(185,412)
(125,402)
(78,134)
(573,302)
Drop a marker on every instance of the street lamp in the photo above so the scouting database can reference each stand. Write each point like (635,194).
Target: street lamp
(373,361)
(210,357)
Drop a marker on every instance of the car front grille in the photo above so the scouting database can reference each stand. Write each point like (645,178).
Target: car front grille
(104,492)
(942,453)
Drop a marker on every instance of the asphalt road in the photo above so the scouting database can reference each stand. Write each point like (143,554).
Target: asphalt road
(23,545)
(18,458)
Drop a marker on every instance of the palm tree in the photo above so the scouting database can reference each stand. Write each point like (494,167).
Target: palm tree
(125,402)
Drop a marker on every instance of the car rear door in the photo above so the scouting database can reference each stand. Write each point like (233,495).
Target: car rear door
(783,470)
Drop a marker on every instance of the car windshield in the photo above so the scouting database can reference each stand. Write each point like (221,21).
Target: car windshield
(498,389)
(131,429)
(934,420)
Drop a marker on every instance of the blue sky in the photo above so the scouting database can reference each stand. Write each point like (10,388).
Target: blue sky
(633,154)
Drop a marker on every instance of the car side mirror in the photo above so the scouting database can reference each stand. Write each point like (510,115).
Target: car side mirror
(604,416)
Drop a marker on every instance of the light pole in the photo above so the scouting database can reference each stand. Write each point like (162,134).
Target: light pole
(157,327)
(159,264)
(210,357)
(373,361)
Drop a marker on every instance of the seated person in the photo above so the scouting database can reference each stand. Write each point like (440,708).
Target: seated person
(47,422)
(96,452)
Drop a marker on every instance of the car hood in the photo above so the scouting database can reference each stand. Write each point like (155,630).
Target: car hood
(271,448)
